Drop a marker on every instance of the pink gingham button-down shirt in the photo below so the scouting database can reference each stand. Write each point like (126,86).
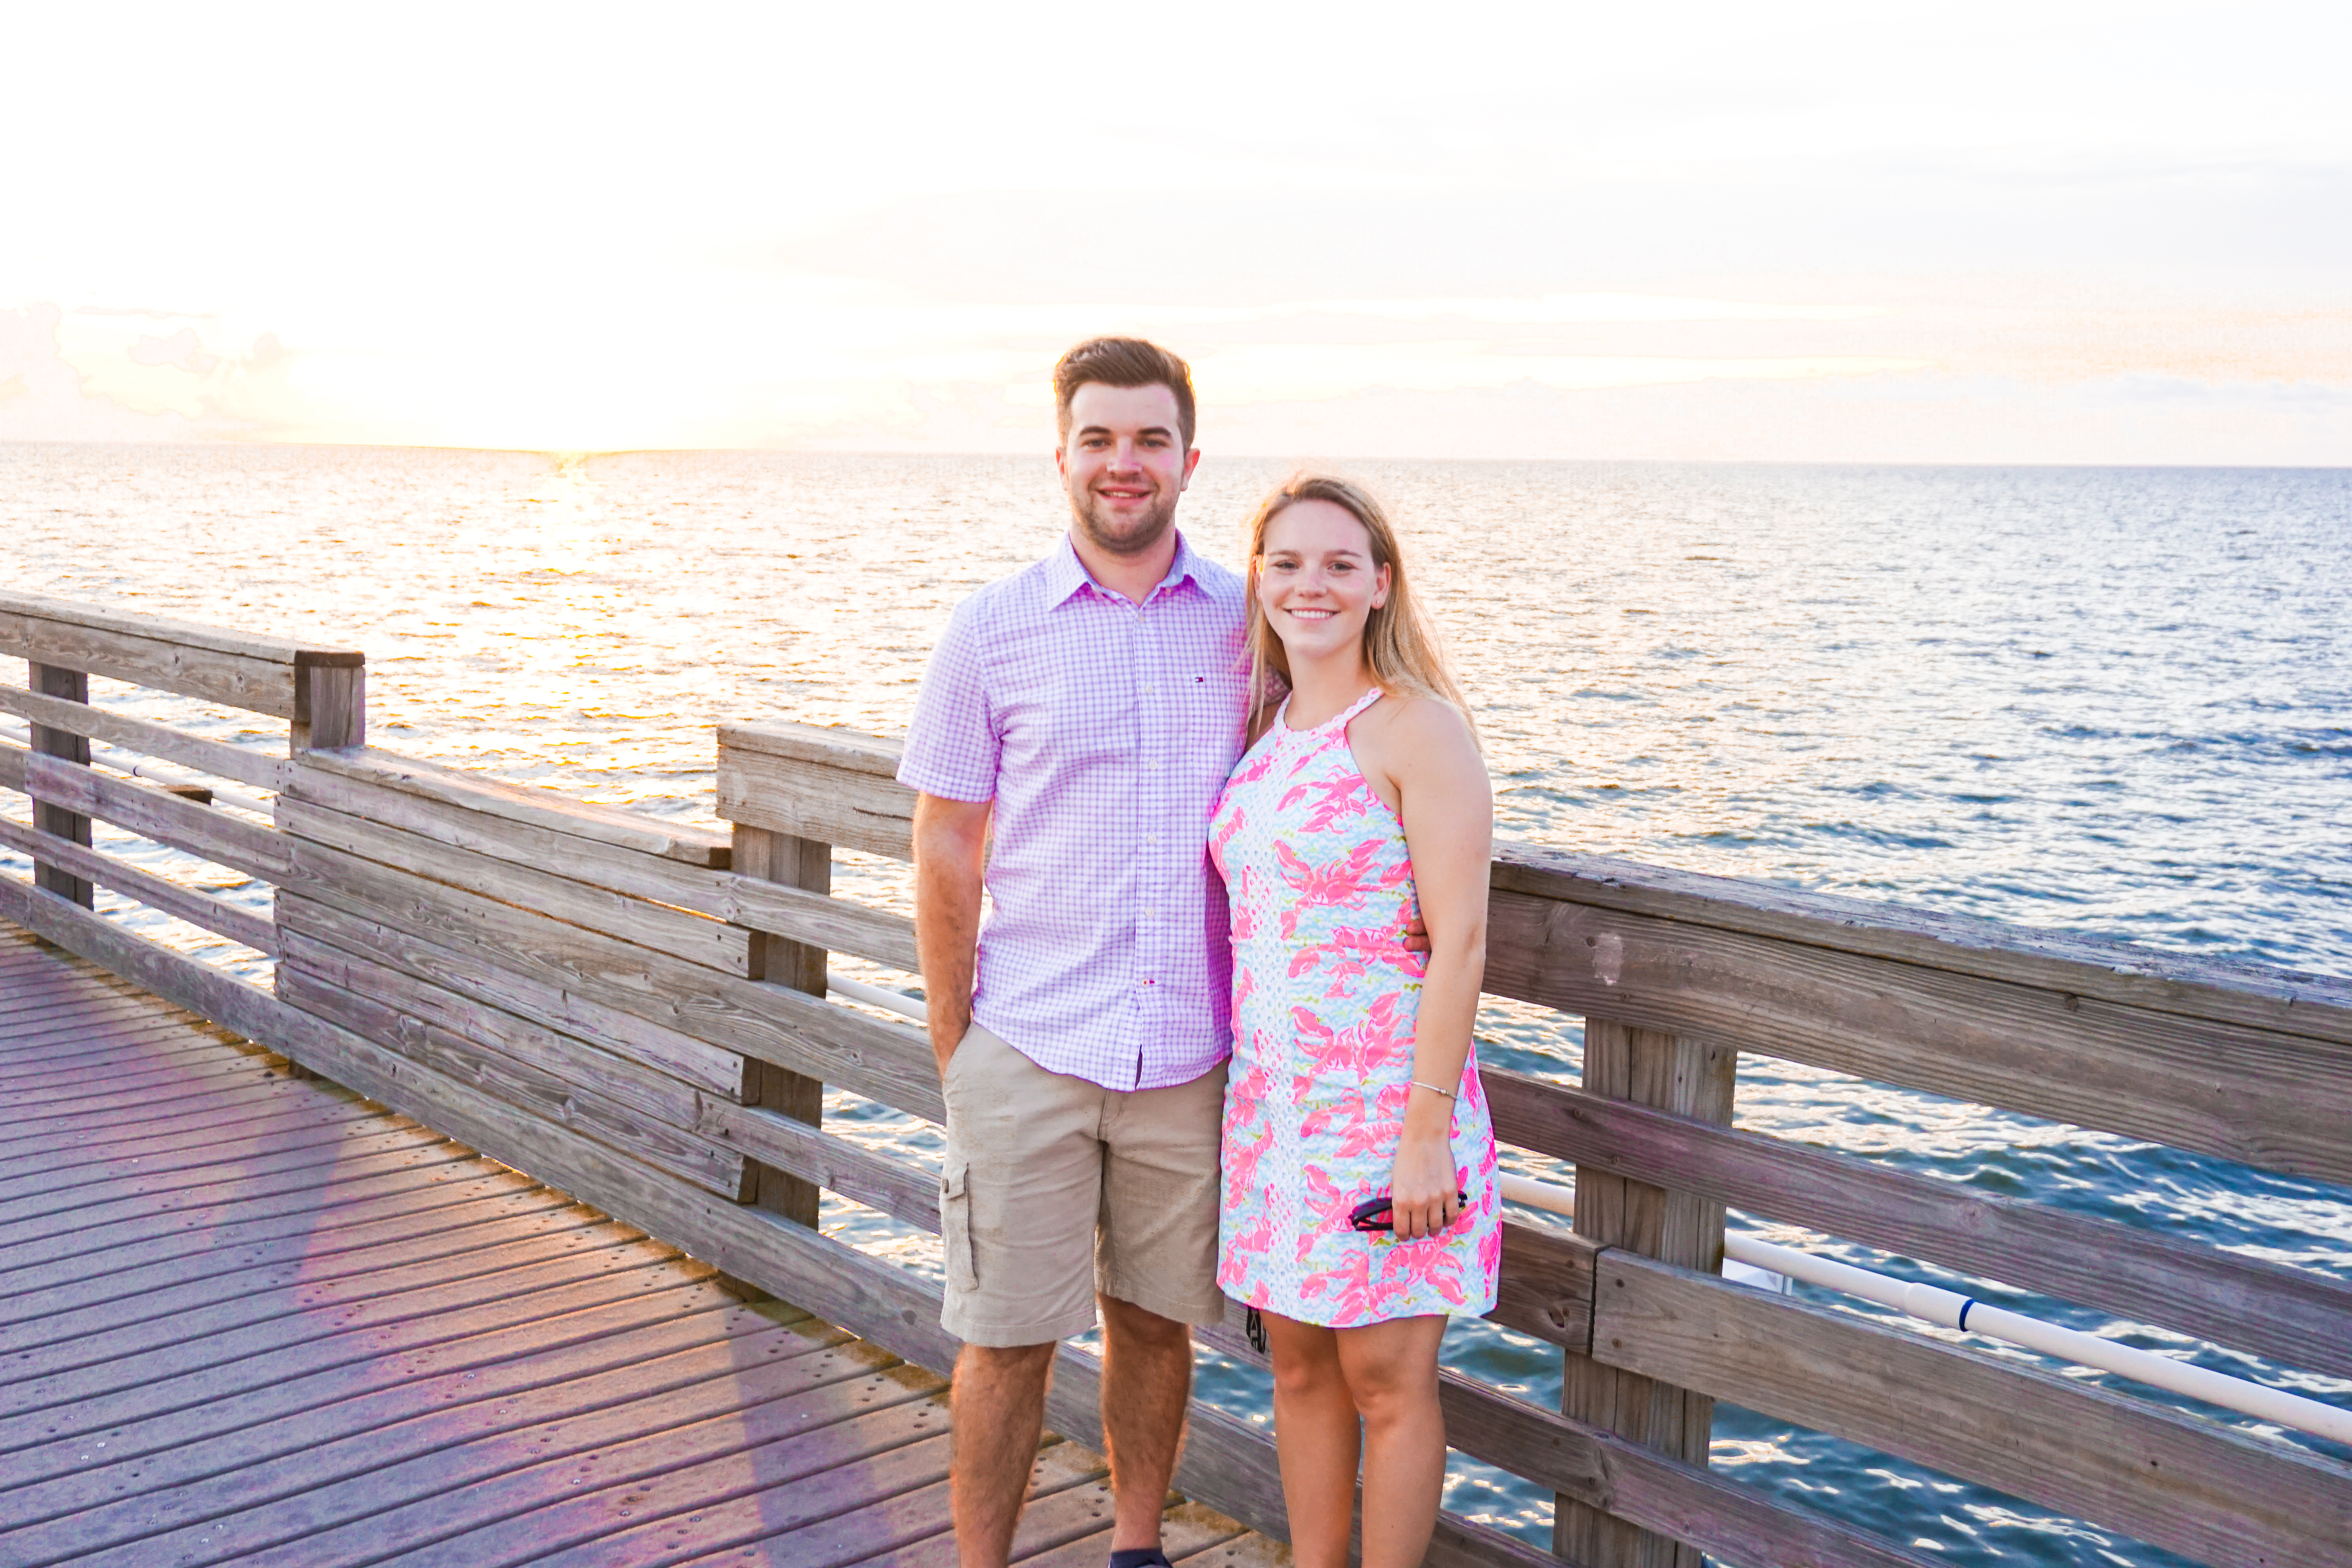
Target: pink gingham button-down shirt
(1103,730)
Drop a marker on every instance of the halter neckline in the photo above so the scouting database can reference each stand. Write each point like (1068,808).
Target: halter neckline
(1282,714)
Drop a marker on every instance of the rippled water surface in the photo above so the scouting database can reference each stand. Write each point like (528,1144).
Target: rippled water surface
(2106,700)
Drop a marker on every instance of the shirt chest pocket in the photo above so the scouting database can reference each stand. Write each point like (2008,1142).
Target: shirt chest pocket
(1213,716)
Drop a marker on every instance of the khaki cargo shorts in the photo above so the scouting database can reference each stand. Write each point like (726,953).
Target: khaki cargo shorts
(1056,1188)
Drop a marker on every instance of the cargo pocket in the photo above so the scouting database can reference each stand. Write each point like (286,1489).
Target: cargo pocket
(955,1228)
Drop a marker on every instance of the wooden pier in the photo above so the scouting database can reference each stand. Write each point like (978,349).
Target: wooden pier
(634,1013)
(255,1319)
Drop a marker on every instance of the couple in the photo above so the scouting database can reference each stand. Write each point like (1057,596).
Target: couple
(1212,817)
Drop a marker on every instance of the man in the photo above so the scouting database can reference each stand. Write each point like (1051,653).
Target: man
(1088,709)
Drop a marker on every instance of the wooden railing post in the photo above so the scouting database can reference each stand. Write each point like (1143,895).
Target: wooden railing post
(330,706)
(1690,1080)
(801,863)
(72,686)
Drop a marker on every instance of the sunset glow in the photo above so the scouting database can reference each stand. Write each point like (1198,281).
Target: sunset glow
(2093,233)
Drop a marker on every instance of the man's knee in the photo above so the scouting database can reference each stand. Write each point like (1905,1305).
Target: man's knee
(1010,1368)
(1143,1328)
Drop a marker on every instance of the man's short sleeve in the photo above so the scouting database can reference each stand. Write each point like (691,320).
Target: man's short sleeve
(951,746)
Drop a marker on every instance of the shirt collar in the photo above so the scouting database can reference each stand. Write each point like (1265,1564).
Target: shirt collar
(1065,574)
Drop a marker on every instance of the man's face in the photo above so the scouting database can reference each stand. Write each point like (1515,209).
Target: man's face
(1124,465)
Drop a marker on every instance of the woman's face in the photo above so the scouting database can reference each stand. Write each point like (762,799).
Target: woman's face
(1316,580)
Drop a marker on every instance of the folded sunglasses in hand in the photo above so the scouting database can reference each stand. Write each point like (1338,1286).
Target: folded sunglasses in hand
(1378,1213)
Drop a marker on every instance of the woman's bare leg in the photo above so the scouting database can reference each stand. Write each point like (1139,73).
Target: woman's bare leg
(1391,1378)
(1315,1435)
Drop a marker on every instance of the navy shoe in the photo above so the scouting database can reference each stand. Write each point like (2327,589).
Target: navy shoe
(1141,1557)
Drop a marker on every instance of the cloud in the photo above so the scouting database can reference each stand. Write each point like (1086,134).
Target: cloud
(42,397)
(64,380)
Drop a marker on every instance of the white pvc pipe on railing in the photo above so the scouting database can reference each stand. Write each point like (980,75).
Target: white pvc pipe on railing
(876,995)
(1951,1310)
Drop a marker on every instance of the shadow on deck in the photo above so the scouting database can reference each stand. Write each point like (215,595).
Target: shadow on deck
(249,1317)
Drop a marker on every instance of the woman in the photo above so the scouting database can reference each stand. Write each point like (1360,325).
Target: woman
(1353,1099)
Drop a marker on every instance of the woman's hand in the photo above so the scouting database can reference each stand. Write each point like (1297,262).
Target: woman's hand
(1423,1194)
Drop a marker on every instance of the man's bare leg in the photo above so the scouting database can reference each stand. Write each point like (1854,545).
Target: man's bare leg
(1147,1381)
(998,1408)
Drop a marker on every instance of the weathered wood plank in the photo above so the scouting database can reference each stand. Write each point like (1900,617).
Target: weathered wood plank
(838,1515)
(386,1360)
(579,1103)
(231,1427)
(150,812)
(100,1247)
(2302,1318)
(852,1514)
(329,707)
(40,1114)
(900,1188)
(2172,1480)
(118,1181)
(198,908)
(219,757)
(1656,1221)
(244,1513)
(783,1422)
(239,1100)
(173,1145)
(31,1174)
(530,1513)
(24,1237)
(69,689)
(885,1061)
(2267,1098)
(60,1037)
(564,1058)
(480,978)
(679,933)
(211,1336)
(804,864)
(309,1283)
(2091,967)
(234,668)
(541,808)
(156,1040)
(833,786)
(455,1225)
(416,1197)
(360,788)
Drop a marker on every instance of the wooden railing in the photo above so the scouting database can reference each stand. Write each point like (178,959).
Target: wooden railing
(636,1010)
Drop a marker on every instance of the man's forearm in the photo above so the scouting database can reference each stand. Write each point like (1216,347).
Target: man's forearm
(950,845)
(946,933)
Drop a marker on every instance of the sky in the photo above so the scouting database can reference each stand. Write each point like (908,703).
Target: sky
(1991,232)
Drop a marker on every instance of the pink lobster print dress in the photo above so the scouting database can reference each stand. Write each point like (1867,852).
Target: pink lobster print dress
(1324,999)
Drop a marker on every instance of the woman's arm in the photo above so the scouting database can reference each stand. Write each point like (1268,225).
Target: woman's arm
(1425,753)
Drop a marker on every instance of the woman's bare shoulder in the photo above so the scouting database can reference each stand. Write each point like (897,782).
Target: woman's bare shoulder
(1409,719)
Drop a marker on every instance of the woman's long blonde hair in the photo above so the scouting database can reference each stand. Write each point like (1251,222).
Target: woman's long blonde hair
(1400,646)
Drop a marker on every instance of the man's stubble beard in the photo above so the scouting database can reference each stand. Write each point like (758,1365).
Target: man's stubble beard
(1102,535)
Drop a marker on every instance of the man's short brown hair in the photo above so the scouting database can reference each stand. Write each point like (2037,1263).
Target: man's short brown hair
(1122,361)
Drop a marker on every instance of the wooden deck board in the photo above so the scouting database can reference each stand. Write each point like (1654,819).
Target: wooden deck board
(343,1125)
(314,1250)
(447,1254)
(250,1318)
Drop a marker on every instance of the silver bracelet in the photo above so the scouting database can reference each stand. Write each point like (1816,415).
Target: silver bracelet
(1433,1088)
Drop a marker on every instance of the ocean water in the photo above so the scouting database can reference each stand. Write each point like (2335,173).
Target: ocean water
(2103,700)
